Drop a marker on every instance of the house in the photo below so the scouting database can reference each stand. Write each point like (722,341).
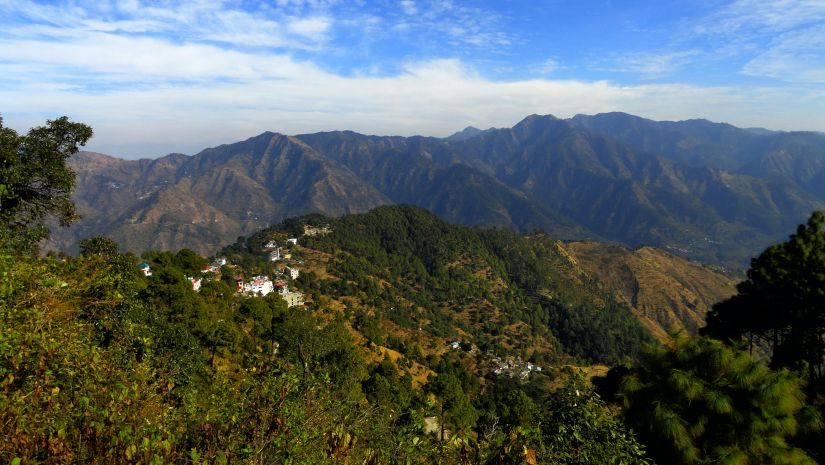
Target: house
(291,272)
(145,268)
(213,268)
(259,285)
(275,255)
(219,262)
(316,230)
(271,245)
(196,283)
(293,299)
(292,240)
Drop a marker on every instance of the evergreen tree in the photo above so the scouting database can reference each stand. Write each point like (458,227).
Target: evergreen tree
(703,402)
(781,304)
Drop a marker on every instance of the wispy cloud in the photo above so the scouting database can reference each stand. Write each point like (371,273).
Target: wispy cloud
(780,39)
(758,16)
(204,72)
(649,65)
(431,98)
(796,57)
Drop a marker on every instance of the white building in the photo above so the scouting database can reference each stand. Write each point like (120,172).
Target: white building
(196,283)
(259,285)
(291,272)
(145,268)
(292,240)
(293,299)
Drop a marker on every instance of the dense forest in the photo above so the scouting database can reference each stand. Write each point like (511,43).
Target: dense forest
(405,351)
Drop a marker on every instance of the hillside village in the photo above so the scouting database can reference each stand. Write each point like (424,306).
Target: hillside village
(259,285)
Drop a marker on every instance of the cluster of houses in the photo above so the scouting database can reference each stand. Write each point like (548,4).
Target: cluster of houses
(513,367)
(257,286)
(262,285)
(316,230)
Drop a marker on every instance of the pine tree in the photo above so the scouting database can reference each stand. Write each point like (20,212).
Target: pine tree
(703,402)
(781,305)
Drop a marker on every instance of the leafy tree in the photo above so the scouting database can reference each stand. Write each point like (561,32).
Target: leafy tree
(99,245)
(579,429)
(781,304)
(703,402)
(36,182)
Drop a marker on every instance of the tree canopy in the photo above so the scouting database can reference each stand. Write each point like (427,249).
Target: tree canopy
(36,182)
(703,402)
(781,304)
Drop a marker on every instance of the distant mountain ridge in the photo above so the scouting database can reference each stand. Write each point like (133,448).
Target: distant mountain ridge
(704,190)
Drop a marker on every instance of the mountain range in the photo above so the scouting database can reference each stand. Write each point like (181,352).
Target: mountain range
(707,191)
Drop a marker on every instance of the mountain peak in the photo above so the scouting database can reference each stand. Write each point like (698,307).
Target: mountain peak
(467,133)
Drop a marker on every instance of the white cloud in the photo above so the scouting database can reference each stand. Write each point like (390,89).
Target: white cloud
(205,74)
(759,16)
(431,98)
(798,56)
(408,7)
(313,28)
(781,39)
(548,66)
(651,65)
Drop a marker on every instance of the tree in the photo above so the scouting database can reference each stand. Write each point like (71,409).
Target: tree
(703,402)
(781,304)
(99,245)
(36,182)
(578,428)
(457,411)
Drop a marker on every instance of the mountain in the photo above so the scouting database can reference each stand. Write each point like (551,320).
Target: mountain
(797,158)
(466,133)
(425,171)
(204,201)
(635,197)
(695,188)
(667,293)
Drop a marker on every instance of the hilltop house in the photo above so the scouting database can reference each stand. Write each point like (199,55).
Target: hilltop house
(293,299)
(316,230)
(145,268)
(291,272)
(259,285)
(196,283)
(292,240)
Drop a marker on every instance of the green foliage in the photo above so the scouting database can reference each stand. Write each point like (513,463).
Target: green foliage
(99,245)
(429,271)
(36,182)
(703,402)
(578,429)
(781,305)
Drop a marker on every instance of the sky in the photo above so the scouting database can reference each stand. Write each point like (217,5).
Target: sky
(155,77)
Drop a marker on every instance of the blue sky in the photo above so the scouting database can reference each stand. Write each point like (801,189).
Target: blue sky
(154,77)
